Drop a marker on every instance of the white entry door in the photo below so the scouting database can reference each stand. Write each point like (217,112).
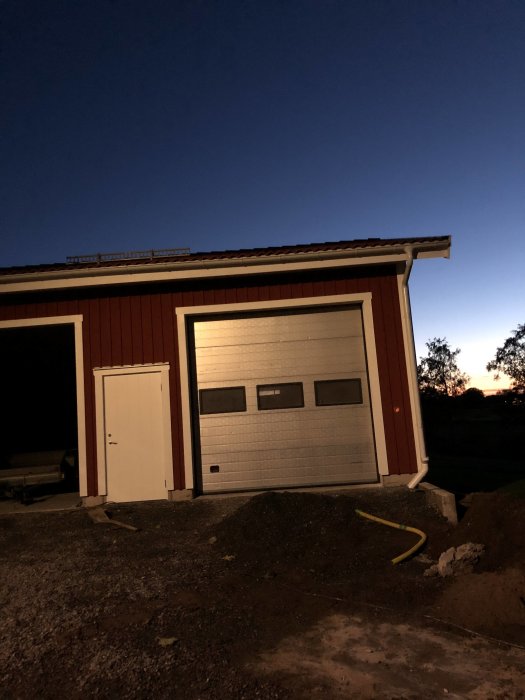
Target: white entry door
(134,436)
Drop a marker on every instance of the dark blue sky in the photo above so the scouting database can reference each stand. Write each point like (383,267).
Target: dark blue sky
(130,125)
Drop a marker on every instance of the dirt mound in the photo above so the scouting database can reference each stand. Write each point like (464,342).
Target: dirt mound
(497,521)
(276,525)
(320,534)
(491,600)
(312,540)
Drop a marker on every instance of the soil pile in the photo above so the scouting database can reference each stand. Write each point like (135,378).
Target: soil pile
(320,538)
(303,529)
(496,520)
(491,600)
(310,539)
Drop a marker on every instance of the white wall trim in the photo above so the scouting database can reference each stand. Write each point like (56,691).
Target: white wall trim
(187,443)
(99,373)
(411,367)
(76,320)
(364,299)
(374,384)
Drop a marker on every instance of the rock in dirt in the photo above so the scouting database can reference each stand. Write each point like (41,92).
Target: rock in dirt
(457,560)
(167,641)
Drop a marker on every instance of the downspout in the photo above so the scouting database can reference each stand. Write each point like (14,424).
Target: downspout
(422,456)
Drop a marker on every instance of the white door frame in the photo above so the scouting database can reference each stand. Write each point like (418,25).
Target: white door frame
(363,299)
(76,320)
(99,374)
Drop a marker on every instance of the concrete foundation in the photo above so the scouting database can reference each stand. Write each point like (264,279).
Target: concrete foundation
(396,479)
(92,501)
(180,495)
(442,500)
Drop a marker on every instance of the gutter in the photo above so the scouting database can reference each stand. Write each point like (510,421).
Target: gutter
(422,456)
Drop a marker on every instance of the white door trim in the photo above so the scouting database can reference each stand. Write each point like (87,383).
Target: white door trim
(364,299)
(99,374)
(76,320)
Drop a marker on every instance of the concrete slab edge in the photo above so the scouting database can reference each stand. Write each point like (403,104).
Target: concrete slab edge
(443,501)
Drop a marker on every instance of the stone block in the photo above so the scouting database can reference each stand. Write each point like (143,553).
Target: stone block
(443,501)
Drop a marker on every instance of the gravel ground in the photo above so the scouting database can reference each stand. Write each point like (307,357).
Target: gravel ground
(207,599)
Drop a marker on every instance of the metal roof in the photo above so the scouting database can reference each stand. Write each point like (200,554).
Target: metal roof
(362,245)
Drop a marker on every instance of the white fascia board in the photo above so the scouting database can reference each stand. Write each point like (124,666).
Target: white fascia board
(154,275)
(173,271)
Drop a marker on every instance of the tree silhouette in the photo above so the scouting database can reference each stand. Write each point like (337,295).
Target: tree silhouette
(510,358)
(438,372)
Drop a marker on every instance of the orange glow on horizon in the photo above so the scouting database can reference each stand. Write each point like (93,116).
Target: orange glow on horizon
(487,383)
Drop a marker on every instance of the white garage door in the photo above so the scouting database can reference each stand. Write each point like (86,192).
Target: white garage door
(284,401)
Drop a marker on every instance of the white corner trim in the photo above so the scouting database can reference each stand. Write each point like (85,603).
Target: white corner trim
(76,320)
(375,386)
(411,367)
(99,374)
(364,299)
(187,443)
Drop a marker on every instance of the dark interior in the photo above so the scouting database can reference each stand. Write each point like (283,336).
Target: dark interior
(38,395)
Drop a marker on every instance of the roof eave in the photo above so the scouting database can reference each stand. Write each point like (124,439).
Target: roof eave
(222,266)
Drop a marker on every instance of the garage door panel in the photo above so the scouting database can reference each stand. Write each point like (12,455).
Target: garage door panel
(286,433)
(324,418)
(347,349)
(250,385)
(262,330)
(320,457)
(293,475)
(275,417)
(279,360)
(291,467)
(284,446)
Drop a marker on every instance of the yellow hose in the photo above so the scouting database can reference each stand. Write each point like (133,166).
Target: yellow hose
(398,526)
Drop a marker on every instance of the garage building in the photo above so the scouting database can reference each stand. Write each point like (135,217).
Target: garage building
(214,372)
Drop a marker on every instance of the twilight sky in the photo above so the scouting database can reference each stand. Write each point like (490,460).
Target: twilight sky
(127,124)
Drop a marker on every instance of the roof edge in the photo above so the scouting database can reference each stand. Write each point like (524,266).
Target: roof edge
(373,251)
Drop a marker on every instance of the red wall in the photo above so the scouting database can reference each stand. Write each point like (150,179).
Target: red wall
(136,325)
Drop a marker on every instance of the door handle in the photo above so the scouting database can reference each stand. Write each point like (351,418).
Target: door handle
(112,443)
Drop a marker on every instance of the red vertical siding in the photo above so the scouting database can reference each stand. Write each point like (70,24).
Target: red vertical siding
(105,333)
(393,378)
(125,321)
(147,328)
(126,327)
(156,327)
(115,317)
